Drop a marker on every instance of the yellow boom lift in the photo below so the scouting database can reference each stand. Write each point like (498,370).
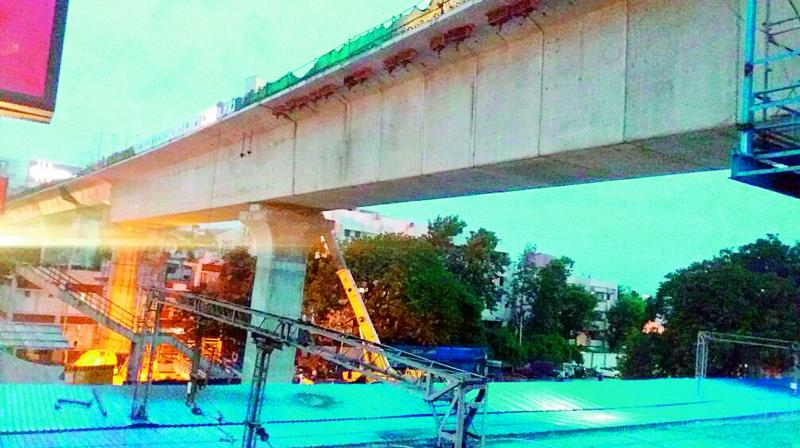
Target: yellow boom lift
(366,329)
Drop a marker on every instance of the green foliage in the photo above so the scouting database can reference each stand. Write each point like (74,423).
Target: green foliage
(235,285)
(477,262)
(410,294)
(555,307)
(101,255)
(552,348)
(442,232)
(236,278)
(504,345)
(754,290)
(655,306)
(426,290)
(645,356)
(11,256)
(322,292)
(577,310)
(626,315)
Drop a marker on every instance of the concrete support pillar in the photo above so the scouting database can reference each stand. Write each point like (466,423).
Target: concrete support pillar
(280,239)
(122,290)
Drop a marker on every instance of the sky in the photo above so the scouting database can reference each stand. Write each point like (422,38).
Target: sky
(132,69)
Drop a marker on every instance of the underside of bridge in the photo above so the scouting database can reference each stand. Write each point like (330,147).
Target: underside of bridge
(472,97)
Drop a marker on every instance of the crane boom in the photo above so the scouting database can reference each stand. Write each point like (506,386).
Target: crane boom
(366,329)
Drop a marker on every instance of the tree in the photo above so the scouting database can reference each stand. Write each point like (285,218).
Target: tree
(235,285)
(645,356)
(409,293)
(754,290)
(503,345)
(555,306)
(481,266)
(577,310)
(442,232)
(477,262)
(323,293)
(524,284)
(552,348)
(236,278)
(406,275)
(550,283)
(555,310)
(626,315)
(11,256)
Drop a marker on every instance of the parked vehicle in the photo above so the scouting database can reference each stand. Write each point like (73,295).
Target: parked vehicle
(538,370)
(608,372)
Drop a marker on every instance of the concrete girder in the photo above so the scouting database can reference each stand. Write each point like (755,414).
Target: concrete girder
(577,92)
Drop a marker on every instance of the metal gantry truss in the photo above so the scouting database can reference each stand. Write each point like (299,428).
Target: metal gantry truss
(704,338)
(456,396)
(768,155)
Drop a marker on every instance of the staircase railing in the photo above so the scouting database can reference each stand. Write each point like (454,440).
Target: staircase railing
(104,311)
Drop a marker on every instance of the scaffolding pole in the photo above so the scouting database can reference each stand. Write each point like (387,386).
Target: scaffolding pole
(768,153)
(253,430)
(141,391)
(705,338)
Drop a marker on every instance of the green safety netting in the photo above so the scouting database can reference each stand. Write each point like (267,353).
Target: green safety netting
(355,46)
(373,38)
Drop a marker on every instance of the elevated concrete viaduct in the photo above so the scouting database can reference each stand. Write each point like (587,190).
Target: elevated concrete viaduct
(572,92)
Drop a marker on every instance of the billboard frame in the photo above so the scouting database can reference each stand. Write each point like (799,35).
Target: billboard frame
(32,107)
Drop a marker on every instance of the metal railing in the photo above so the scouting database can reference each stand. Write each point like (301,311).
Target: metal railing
(104,311)
(85,296)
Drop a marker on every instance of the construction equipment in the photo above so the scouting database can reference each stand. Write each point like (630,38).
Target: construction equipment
(455,396)
(93,367)
(366,329)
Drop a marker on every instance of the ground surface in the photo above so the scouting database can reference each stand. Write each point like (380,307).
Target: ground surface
(544,414)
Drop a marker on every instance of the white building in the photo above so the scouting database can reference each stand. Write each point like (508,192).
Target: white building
(356,223)
(606,293)
(34,301)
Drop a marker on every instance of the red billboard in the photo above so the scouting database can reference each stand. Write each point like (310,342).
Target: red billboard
(31,38)
(3,191)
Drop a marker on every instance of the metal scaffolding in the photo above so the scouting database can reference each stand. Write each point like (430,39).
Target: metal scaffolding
(705,338)
(455,396)
(768,155)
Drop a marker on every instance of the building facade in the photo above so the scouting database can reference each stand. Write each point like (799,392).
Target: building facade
(606,292)
(31,300)
(356,223)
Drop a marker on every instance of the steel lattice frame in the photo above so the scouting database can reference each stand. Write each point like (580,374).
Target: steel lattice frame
(705,338)
(462,393)
(768,153)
